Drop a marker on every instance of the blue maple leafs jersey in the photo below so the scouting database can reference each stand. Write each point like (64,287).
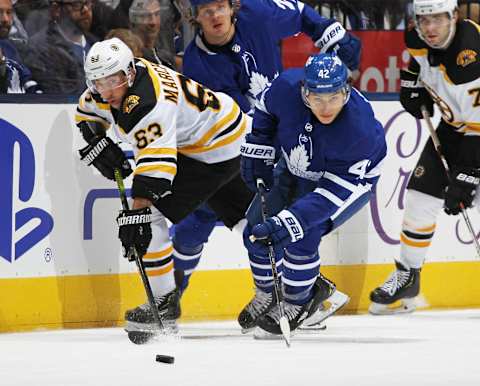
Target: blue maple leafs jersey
(245,66)
(336,163)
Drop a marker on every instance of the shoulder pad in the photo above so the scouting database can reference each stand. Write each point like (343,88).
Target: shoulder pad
(462,59)
(138,102)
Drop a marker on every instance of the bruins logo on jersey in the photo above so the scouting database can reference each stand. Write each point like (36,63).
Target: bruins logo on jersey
(130,103)
(419,171)
(466,57)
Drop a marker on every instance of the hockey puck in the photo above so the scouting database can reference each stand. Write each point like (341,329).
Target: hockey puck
(164,358)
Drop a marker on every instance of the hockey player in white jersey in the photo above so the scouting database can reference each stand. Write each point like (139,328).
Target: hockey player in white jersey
(186,142)
(330,147)
(445,70)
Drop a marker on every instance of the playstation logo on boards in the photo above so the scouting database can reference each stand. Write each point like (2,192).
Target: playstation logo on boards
(17,173)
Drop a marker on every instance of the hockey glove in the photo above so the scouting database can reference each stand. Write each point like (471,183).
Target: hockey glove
(91,130)
(282,229)
(257,159)
(413,96)
(106,156)
(461,189)
(335,38)
(135,231)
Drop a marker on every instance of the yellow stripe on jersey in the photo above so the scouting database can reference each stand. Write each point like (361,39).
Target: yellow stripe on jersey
(475,24)
(444,71)
(465,127)
(225,141)
(418,51)
(156,151)
(160,168)
(158,255)
(216,128)
(153,77)
(83,117)
(200,147)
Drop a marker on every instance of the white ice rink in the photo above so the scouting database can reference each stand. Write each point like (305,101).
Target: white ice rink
(425,348)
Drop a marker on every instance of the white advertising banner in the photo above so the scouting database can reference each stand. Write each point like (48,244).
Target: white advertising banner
(57,216)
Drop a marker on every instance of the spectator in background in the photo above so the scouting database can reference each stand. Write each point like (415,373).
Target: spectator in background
(33,14)
(56,54)
(145,21)
(169,17)
(470,10)
(129,38)
(14,76)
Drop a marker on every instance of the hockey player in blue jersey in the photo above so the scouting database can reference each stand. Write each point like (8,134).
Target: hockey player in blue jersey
(330,148)
(236,51)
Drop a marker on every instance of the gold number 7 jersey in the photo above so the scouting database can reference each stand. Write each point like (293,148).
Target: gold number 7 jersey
(165,112)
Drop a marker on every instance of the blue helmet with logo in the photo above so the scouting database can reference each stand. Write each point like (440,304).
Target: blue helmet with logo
(325,73)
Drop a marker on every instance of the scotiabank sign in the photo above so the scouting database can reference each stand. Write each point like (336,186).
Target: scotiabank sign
(383,55)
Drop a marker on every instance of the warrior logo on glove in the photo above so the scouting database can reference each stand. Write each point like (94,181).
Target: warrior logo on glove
(135,230)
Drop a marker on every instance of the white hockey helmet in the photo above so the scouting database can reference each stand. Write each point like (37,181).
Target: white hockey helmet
(106,58)
(432,7)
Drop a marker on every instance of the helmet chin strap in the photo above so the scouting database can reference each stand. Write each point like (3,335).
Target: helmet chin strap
(131,76)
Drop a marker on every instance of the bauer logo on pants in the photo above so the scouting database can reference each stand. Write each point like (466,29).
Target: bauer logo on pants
(17,173)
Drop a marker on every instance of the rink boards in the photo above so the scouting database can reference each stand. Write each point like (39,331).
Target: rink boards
(60,261)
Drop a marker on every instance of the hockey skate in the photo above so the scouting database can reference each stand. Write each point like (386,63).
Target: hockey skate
(297,315)
(140,321)
(261,303)
(326,302)
(404,285)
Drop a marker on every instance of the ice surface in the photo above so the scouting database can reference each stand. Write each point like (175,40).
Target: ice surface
(424,348)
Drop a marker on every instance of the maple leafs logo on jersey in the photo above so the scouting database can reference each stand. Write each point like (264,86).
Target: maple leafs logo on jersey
(258,83)
(297,163)
(466,57)
(130,103)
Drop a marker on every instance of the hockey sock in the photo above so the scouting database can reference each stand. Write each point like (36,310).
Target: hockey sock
(186,259)
(262,271)
(418,227)
(299,275)
(158,259)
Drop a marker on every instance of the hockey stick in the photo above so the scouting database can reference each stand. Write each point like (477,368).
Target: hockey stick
(438,149)
(284,325)
(136,257)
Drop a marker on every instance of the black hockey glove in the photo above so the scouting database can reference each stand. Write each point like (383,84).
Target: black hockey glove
(135,231)
(91,130)
(413,96)
(461,189)
(106,156)
(257,159)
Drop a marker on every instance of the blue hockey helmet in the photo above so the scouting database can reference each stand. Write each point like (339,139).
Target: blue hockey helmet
(325,73)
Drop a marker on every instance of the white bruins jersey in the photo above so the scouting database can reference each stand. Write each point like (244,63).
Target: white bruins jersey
(451,76)
(165,112)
